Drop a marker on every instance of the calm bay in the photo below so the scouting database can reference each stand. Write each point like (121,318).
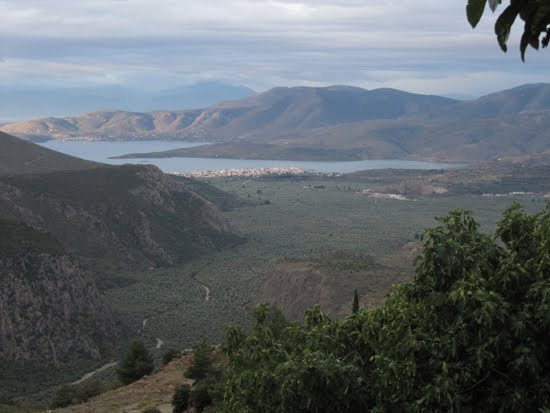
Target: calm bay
(101,151)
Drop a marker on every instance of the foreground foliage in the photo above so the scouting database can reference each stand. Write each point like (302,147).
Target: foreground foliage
(534,13)
(470,333)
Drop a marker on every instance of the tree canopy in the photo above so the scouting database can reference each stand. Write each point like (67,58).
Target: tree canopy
(471,333)
(534,13)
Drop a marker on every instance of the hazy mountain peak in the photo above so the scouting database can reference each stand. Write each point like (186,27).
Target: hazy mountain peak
(21,103)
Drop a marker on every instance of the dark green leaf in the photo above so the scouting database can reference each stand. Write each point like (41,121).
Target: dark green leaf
(504,24)
(524,42)
(474,11)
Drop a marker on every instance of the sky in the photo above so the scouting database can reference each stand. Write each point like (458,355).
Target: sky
(423,46)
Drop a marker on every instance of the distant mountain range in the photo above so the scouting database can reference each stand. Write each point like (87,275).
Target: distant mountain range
(331,123)
(25,103)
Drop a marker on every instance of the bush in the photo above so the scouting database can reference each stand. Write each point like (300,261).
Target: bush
(75,394)
(200,397)
(136,364)
(180,399)
(169,355)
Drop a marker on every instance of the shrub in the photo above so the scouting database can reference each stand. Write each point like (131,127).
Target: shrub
(75,394)
(180,399)
(200,397)
(169,355)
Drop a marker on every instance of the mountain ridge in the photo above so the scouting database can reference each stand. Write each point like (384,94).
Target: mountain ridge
(271,113)
(332,123)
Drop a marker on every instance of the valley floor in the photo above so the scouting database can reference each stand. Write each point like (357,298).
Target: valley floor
(293,218)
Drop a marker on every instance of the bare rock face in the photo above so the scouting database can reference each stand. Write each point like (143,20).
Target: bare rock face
(50,308)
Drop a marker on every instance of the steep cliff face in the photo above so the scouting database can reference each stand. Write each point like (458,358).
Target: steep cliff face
(50,309)
(121,215)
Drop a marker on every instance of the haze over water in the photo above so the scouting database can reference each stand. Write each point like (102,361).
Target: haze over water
(101,151)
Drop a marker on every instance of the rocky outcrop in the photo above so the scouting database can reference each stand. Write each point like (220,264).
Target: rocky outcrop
(50,308)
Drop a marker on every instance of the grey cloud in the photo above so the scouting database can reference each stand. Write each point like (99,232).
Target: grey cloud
(260,43)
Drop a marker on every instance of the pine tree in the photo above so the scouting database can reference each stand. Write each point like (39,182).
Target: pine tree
(355,306)
(136,364)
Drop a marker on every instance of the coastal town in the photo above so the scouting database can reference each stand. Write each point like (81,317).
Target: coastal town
(247,172)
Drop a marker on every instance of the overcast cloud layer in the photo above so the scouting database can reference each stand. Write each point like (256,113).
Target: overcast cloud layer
(423,46)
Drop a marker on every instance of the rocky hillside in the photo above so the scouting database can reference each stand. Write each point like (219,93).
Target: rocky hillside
(118,215)
(51,313)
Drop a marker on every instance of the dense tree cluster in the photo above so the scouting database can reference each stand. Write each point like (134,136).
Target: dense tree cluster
(471,333)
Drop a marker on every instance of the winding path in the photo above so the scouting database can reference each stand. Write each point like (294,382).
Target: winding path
(207,290)
(160,343)
(93,373)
